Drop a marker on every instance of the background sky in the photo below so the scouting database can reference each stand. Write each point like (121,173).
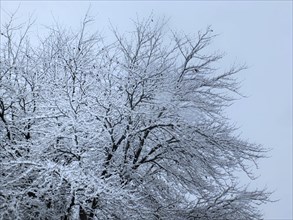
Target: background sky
(258,33)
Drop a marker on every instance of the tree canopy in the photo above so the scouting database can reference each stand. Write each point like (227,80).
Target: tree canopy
(132,129)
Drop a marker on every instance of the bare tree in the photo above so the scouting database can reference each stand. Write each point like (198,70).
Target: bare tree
(133,129)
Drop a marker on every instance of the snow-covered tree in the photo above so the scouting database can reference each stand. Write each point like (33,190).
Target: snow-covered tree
(132,129)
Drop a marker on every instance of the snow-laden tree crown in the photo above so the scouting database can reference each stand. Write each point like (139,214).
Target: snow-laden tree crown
(132,129)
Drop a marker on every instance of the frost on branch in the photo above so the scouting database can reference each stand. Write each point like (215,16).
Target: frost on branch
(132,129)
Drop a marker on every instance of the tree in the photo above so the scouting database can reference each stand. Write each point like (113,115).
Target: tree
(132,129)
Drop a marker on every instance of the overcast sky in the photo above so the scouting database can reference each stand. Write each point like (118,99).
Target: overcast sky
(258,33)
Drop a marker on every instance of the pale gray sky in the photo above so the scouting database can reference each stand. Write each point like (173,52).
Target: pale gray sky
(258,33)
